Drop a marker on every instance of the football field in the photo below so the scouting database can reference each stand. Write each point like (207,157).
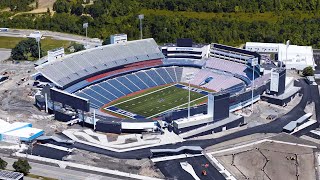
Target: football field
(151,104)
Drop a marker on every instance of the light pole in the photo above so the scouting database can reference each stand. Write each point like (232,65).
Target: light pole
(189,78)
(85,26)
(254,62)
(287,45)
(141,16)
(38,41)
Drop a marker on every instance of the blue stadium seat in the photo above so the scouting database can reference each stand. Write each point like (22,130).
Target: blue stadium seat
(129,84)
(155,77)
(96,95)
(146,79)
(171,72)
(119,86)
(103,92)
(108,87)
(179,73)
(94,102)
(136,81)
(164,74)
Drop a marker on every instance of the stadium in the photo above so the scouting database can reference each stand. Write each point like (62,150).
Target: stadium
(136,81)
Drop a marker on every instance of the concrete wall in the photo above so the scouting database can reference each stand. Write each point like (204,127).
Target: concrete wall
(230,125)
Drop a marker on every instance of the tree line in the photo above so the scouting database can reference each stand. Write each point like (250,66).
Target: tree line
(232,5)
(16,5)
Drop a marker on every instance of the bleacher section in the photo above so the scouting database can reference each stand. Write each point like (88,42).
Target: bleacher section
(104,92)
(219,82)
(127,68)
(227,66)
(78,66)
(188,70)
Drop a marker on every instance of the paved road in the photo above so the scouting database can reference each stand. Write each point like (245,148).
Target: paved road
(4,54)
(59,173)
(316,99)
(272,127)
(172,169)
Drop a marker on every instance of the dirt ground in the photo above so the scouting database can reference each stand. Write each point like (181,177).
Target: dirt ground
(43,6)
(17,98)
(270,160)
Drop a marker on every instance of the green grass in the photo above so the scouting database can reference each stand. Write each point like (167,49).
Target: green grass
(46,44)
(148,105)
(9,42)
(125,98)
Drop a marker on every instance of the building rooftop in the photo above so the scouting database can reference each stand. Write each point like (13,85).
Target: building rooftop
(10,175)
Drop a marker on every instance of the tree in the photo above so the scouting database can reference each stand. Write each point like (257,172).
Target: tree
(61,6)
(77,9)
(78,47)
(22,166)
(3,164)
(308,71)
(106,41)
(26,50)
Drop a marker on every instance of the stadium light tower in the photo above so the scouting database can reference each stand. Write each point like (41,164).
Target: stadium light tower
(141,17)
(85,26)
(189,78)
(287,45)
(38,41)
(254,62)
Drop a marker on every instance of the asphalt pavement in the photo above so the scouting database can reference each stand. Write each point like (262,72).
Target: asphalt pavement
(58,173)
(172,169)
(316,99)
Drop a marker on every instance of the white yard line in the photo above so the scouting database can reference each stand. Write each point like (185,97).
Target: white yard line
(143,95)
(176,107)
(117,112)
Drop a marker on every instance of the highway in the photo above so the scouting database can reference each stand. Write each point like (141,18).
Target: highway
(59,173)
(272,127)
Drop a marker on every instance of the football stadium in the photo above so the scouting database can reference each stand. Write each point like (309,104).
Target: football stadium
(144,81)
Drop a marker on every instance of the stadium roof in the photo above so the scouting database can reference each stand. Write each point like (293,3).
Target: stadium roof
(89,62)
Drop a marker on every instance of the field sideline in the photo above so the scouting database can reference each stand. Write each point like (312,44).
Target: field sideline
(150,104)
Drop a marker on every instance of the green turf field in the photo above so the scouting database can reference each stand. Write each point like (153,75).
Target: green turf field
(149,104)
